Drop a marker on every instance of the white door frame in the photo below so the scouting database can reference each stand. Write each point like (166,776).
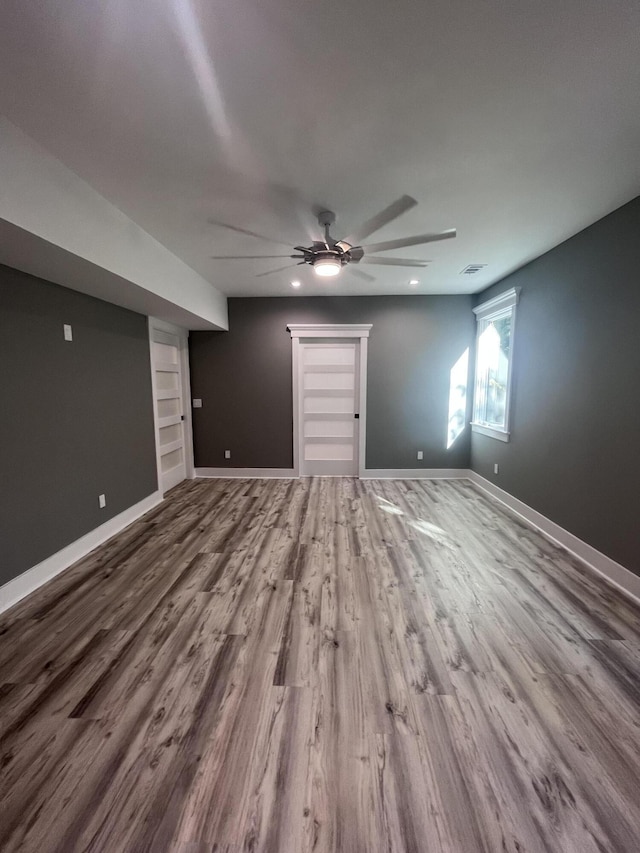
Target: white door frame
(183,336)
(353,331)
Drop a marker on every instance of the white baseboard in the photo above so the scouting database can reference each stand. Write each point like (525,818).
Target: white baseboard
(370,474)
(615,573)
(247,473)
(415,474)
(27,582)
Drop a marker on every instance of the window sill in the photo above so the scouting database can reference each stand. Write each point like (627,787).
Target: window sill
(492,432)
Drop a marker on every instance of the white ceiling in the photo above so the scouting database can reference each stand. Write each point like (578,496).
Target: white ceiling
(517,123)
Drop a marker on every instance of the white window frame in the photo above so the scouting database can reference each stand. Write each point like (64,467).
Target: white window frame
(493,310)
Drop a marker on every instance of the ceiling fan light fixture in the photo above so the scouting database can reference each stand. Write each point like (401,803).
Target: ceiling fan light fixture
(327,267)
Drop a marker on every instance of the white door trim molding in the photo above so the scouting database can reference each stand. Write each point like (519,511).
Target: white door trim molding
(329,330)
(362,405)
(359,331)
(183,336)
(614,573)
(36,576)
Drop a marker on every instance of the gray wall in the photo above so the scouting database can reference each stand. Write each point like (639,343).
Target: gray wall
(244,379)
(574,453)
(77,418)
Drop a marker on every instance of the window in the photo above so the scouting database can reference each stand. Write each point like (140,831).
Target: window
(494,351)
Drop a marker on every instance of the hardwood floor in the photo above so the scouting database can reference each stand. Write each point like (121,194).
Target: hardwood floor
(322,665)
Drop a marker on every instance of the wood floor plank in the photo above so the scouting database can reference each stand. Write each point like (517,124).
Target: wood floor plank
(324,665)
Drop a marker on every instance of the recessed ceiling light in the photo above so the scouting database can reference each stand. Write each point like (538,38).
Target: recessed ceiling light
(413,282)
(295,284)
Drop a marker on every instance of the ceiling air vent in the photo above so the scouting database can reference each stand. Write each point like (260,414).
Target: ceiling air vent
(472,269)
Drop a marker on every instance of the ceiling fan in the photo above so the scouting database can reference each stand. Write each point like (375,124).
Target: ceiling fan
(329,256)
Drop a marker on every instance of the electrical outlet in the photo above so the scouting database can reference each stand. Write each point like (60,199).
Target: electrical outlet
(102,501)
(197,404)
(227,454)
(420,454)
(68,332)
(495,468)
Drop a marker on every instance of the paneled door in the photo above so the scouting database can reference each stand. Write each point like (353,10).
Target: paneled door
(330,413)
(166,361)
(329,389)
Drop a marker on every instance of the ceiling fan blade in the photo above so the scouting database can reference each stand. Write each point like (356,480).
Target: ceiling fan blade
(393,262)
(360,274)
(250,257)
(246,231)
(411,241)
(288,267)
(385,216)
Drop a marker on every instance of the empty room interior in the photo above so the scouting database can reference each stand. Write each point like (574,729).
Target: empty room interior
(319,515)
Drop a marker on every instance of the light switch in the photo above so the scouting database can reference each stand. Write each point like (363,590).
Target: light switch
(68,333)
(197,404)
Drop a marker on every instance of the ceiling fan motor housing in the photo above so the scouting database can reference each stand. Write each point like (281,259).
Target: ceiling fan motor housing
(324,254)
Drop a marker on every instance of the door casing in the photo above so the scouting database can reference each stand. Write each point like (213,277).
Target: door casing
(183,337)
(353,331)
